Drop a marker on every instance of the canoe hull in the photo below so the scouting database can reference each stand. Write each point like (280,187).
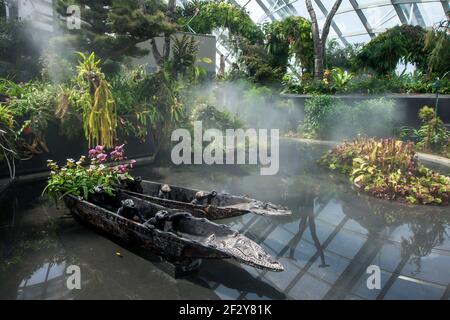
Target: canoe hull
(160,243)
(228,206)
(200,211)
(197,239)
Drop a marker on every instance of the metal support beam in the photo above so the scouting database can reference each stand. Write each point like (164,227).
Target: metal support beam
(333,25)
(266,10)
(418,15)
(399,12)
(363,18)
(445,6)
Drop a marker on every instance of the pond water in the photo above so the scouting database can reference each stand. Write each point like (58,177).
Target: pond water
(326,246)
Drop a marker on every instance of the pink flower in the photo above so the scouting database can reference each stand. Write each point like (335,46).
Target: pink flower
(132,163)
(92,153)
(101,157)
(122,168)
(99,149)
(117,156)
(119,148)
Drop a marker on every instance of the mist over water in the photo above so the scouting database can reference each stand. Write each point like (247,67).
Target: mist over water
(257,107)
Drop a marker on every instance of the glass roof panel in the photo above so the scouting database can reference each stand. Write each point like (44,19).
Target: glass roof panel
(349,23)
(431,12)
(358,39)
(381,17)
(255,11)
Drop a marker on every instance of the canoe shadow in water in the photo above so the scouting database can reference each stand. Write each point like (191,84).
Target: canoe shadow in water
(213,273)
(219,271)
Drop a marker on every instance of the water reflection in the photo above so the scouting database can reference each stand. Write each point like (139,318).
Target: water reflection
(326,246)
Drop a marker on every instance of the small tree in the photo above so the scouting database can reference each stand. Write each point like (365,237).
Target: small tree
(114,28)
(320,40)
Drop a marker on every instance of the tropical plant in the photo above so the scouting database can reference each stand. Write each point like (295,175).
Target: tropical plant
(437,43)
(185,49)
(401,43)
(113,29)
(432,135)
(327,117)
(76,179)
(320,113)
(7,139)
(341,57)
(290,38)
(33,108)
(340,78)
(388,169)
(91,95)
(213,118)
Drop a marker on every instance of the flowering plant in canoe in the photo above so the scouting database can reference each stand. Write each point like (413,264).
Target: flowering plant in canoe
(106,170)
(388,169)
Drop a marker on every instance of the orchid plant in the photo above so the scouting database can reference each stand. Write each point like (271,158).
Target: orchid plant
(106,170)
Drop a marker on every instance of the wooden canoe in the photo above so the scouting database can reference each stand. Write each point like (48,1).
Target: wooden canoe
(193,238)
(222,206)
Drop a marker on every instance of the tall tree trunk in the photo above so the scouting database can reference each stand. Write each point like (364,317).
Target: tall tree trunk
(169,17)
(318,39)
(161,58)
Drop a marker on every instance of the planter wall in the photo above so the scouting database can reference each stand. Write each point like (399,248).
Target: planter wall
(407,105)
(62,148)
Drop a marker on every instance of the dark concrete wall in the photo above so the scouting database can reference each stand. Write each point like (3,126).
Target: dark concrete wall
(62,148)
(407,105)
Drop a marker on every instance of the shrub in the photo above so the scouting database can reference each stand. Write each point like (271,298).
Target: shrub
(78,180)
(319,115)
(374,117)
(388,169)
(328,118)
(213,118)
(431,136)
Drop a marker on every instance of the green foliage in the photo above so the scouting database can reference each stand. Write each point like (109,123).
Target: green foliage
(329,118)
(388,169)
(290,37)
(206,16)
(437,42)
(7,134)
(19,55)
(113,28)
(33,107)
(6,117)
(401,43)
(340,79)
(319,114)
(91,96)
(432,136)
(262,54)
(213,118)
(161,93)
(414,82)
(341,57)
(8,151)
(364,112)
(76,179)
(185,51)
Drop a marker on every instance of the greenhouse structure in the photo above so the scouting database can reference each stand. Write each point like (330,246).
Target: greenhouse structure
(224,150)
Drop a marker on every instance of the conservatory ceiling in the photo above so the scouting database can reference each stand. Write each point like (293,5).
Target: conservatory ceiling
(356,21)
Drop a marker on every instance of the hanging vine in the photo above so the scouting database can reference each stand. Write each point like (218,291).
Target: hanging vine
(91,96)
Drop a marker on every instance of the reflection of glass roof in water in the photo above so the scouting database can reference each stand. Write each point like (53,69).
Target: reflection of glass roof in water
(356,21)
